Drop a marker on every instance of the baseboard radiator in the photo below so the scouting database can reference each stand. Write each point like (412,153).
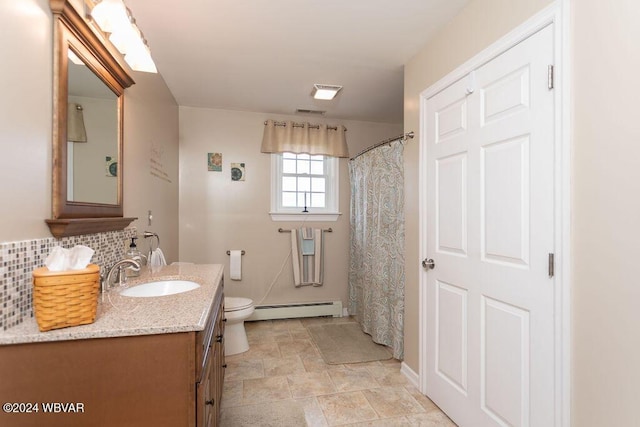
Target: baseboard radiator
(292,311)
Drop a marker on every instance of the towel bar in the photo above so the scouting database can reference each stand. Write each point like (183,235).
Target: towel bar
(282,230)
(242,253)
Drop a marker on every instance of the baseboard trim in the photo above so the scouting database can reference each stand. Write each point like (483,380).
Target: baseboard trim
(410,374)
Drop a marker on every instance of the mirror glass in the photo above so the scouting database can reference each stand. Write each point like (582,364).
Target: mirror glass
(92,136)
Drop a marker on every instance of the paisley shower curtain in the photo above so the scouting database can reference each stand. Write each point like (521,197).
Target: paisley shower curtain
(376,270)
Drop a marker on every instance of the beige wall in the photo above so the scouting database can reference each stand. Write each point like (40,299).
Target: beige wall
(217,214)
(478,25)
(151,114)
(25,119)
(151,141)
(606,213)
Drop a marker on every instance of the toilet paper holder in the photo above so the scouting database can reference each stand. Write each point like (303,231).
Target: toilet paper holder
(243,252)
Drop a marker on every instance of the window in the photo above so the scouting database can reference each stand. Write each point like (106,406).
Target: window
(303,182)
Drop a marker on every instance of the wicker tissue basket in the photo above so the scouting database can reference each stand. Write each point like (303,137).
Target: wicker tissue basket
(65,298)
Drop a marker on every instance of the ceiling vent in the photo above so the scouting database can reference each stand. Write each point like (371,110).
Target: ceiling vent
(313,112)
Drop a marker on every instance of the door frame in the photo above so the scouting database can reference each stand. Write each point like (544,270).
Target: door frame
(558,14)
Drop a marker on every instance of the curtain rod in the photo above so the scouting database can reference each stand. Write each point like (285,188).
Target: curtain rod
(282,230)
(403,137)
(299,125)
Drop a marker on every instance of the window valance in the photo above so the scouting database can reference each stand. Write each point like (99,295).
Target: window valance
(299,138)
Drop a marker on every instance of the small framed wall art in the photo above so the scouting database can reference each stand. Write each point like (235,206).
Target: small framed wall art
(238,171)
(111,165)
(214,162)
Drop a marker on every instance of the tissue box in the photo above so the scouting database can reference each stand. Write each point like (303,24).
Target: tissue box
(65,298)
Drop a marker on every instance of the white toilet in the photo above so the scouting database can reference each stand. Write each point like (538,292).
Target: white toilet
(236,311)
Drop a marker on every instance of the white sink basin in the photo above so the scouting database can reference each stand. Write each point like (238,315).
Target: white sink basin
(160,288)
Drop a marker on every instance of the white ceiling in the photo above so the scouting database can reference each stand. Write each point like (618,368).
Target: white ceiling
(265,55)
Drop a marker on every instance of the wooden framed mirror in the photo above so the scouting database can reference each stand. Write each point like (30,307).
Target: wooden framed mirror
(88,103)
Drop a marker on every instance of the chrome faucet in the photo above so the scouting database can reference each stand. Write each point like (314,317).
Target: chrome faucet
(121,268)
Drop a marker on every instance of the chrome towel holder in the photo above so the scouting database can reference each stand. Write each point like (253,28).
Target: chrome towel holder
(148,234)
(242,252)
(326,230)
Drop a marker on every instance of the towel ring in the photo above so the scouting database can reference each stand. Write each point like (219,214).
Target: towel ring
(150,234)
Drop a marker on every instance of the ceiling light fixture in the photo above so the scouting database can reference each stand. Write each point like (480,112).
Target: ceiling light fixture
(325,92)
(114,19)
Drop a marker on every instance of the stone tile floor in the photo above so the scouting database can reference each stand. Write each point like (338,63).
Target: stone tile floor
(284,370)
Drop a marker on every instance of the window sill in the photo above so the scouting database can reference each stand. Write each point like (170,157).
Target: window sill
(299,216)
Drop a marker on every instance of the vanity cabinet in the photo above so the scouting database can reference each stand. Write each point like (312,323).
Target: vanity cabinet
(165,379)
(210,344)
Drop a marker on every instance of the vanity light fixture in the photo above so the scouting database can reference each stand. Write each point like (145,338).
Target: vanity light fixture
(325,92)
(116,20)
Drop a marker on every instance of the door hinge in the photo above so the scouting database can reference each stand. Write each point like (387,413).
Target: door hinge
(551,265)
(471,83)
(550,77)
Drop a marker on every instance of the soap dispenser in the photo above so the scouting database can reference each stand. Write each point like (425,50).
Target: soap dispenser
(134,254)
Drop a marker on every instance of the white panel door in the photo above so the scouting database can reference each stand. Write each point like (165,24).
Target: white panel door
(490,230)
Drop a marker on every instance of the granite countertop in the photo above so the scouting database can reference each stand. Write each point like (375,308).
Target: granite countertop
(125,316)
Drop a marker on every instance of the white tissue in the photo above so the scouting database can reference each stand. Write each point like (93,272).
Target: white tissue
(235,265)
(58,259)
(80,257)
(61,259)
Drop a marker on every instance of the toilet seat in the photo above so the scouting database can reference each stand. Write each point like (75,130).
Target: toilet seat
(236,304)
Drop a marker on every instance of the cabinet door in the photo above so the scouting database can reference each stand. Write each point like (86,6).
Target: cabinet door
(218,365)
(205,400)
(209,390)
(144,380)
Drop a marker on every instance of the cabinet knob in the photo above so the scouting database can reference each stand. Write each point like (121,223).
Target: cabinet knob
(209,402)
(224,320)
(224,366)
(219,338)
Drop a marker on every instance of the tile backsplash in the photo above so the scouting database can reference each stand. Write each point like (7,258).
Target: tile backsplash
(19,259)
